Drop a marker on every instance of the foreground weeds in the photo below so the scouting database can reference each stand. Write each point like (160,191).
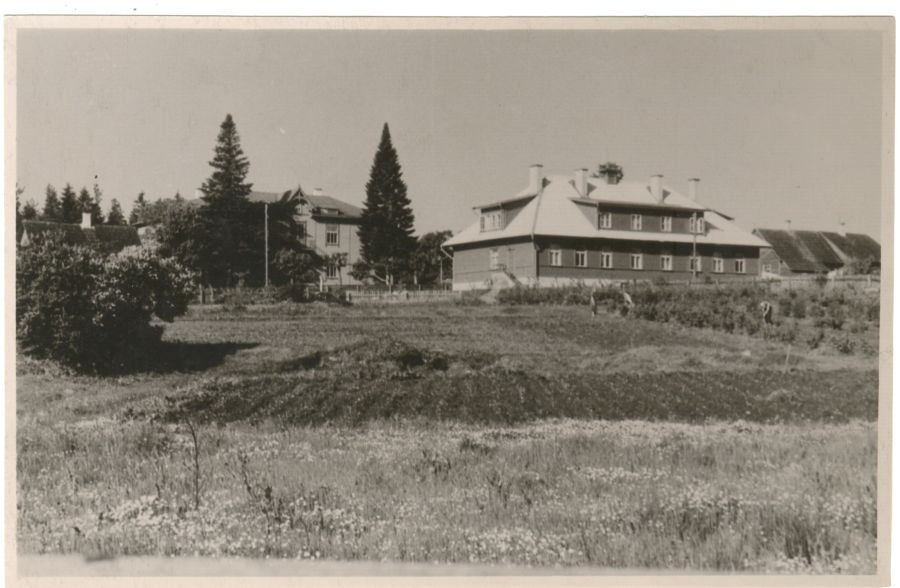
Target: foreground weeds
(737,497)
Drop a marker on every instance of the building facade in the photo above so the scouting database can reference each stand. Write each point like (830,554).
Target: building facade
(570,229)
(329,227)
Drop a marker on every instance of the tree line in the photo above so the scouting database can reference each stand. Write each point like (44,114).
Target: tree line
(223,239)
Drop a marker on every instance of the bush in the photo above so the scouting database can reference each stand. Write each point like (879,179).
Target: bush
(92,311)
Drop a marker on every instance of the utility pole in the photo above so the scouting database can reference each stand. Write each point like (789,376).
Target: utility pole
(266,207)
(694,247)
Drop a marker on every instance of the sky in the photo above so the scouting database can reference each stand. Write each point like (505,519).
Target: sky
(777,124)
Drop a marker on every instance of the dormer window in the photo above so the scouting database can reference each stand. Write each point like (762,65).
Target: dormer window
(605,220)
(697,224)
(491,221)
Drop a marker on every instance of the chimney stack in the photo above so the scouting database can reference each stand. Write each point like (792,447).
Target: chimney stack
(656,187)
(85,220)
(692,188)
(581,182)
(536,178)
(317,191)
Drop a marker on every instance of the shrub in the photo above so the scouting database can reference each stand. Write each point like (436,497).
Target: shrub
(93,311)
(844,343)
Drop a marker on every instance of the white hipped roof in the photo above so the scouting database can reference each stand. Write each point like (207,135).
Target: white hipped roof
(555,212)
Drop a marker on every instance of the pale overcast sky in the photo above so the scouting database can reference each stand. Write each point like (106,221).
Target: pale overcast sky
(778,125)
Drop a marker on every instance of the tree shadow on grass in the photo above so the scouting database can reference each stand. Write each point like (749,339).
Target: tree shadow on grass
(179,356)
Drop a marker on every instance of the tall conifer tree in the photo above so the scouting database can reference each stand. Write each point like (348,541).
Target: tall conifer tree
(52,210)
(115,216)
(70,211)
(386,228)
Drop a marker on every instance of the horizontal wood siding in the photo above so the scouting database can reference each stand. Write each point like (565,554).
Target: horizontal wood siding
(622,251)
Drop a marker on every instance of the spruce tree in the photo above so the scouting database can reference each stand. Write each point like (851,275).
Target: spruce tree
(115,216)
(386,227)
(228,248)
(70,211)
(29,211)
(230,165)
(52,209)
(137,210)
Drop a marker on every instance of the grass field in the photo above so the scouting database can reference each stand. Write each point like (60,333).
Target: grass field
(444,433)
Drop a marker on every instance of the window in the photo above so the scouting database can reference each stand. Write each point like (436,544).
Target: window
(331,271)
(635,222)
(301,230)
(491,221)
(697,225)
(581,258)
(495,259)
(605,220)
(555,257)
(637,261)
(665,224)
(331,235)
(767,268)
(718,264)
(696,264)
(739,266)
(665,263)
(606,259)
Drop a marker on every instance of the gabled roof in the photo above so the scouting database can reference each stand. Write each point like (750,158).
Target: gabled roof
(322,206)
(819,251)
(113,237)
(556,212)
(854,245)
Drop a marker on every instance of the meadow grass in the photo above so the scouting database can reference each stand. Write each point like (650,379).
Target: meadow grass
(129,466)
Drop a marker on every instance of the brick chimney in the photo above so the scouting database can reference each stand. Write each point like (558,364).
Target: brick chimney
(656,187)
(85,220)
(536,178)
(581,182)
(692,188)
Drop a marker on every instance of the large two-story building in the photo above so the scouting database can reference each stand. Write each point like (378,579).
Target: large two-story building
(566,229)
(328,226)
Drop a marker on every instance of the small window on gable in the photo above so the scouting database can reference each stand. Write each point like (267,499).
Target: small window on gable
(332,237)
(556,257)
(636,222)
(581,258)
(605,221)
(606,259)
